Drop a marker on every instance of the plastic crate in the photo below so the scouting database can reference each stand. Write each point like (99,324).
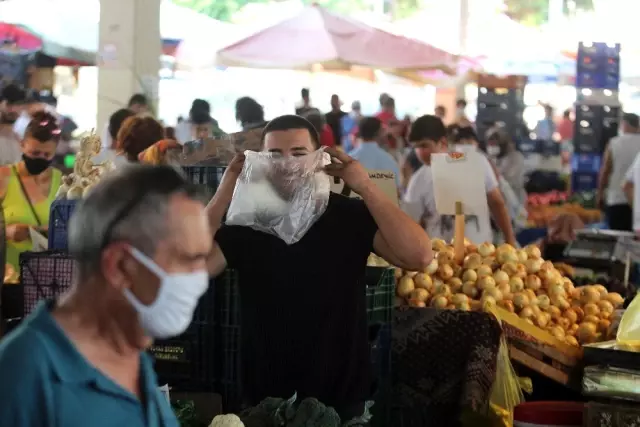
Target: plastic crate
(187,362)
(59,215)
(228,334)
(44,275)
(207,176)
(381,361)
(381,289)
(586,163)
(584,181)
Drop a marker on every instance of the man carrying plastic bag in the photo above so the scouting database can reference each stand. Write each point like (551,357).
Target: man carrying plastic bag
(301,255)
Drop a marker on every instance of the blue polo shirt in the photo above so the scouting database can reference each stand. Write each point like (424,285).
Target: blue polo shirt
(46,382)
(372,156)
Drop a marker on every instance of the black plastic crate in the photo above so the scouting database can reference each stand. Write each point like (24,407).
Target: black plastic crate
(207,176)
(187,362)
(230,368)
(59,215)
(381,361)
(44,275)
(381,288)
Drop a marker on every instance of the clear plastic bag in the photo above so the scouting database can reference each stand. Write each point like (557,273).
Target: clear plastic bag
(628,336)
(283,196)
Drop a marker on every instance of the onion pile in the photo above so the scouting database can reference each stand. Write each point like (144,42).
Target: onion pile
(519,281)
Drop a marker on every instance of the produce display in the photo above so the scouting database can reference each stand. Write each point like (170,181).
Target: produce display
(541,215)
(86,174)
(519,281)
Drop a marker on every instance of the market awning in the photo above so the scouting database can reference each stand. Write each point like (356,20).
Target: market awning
(318,37)
(68,29)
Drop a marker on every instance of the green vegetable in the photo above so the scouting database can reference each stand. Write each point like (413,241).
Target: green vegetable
(185,411)
(273,412)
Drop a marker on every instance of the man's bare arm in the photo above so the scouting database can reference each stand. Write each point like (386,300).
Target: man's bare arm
(500,214)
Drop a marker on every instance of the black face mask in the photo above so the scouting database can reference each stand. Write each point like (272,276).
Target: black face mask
(35,165)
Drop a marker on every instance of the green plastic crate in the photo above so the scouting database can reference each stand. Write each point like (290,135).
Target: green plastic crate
(381,288)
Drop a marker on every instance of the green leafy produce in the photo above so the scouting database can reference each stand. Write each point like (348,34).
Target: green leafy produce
(185,411)
(274,412)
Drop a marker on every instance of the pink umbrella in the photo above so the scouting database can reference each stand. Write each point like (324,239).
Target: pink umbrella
(318,37)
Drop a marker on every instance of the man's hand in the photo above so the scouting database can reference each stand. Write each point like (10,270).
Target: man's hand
(18,232)
(348,169)
(236,164)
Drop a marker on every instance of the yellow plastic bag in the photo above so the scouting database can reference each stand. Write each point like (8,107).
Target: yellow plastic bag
(506,392)
(628,336)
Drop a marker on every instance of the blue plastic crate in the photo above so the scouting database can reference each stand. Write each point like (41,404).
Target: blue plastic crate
(59,216)
(584,181)
(528,146)
(586,163)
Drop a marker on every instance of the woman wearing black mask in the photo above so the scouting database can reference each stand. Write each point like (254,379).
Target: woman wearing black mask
(28,188)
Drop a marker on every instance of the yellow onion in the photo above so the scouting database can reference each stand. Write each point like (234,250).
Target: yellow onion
(591,309)
(439,301)
(522,255)
(432,267)
(419,294)
(587,332)
(438,244)
(526,313)
(520,300)
(405,286)
(459,298)
(469,276)
(484,270)
(507,305)
(470,290)
(615,299)
(423,281)
(516,284)
(533,251)
(472,261)
(500,276)
(533,265)
(486,282)
(445,272)
(455,284)
(588,294)
(605,306)
(494,293)
(486,249)
(444,257)
(543,302)
(532,282)
(511,268)
(416,303)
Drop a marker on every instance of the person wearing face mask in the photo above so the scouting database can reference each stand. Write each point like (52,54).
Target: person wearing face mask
(428,135)
(28,187)
(11,100)
(321,349)
(140,251)
(508,160)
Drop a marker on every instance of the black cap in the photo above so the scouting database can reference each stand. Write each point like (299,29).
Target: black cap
(13,94)
(427,127)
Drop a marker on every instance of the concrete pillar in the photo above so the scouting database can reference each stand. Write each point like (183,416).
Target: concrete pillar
(463,35)
(129,53)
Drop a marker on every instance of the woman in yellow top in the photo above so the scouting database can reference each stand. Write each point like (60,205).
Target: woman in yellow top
(28,187)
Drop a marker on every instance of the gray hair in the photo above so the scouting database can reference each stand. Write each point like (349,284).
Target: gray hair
(129,205)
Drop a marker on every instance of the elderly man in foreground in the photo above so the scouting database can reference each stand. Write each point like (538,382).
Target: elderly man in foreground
(141,239)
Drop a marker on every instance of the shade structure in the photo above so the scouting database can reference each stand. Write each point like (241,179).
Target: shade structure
(318,37)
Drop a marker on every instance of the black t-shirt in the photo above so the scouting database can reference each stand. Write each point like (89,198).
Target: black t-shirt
(334,120)
(303,307)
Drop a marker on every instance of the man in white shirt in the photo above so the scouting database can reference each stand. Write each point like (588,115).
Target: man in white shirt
(618,158)
(368,151)
(428,135)
(631,188)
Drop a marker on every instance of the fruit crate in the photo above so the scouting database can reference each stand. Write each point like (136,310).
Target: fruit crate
(59,216)
(537,349)
(381,289)
(43,276)
(207,176)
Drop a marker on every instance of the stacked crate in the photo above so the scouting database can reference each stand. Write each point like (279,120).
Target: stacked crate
(501,102)
(597,112)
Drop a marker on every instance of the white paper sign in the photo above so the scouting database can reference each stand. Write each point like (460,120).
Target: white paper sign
(384,180)
(40,243)
(459,177)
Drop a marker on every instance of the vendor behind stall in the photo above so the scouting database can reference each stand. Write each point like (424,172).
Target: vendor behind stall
(302,305)
(428,135)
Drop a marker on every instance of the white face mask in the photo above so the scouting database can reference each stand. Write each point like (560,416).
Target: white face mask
(493,150)
(172,311)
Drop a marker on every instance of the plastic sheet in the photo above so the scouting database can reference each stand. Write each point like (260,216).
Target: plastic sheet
(283,196)
(628,336)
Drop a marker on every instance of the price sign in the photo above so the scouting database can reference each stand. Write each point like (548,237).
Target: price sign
(459,177)
(385,180)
